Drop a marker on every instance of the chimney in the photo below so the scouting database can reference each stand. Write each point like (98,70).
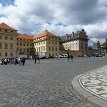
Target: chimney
(46,30)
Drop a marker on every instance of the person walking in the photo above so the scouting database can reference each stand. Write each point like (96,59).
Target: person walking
(5,61)
(35,59)
(20,61)
(68,56)
(71,57)
(2,61)
(15,61)
(23,61)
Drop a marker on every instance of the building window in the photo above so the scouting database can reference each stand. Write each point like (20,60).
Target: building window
(11,54)
(11,46)
(41,48)
(52,48)
(20,50)
(5,30)
(6,46)
(36,49)
(0,54)
(24,44)
(5,54)
(0,37)
(49,48)
(44,48)
(0,45)
(6,38)
(27,50)
(56,48)
(20,44)
(11,38)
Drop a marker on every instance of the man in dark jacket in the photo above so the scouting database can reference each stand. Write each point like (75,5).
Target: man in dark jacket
(23,60)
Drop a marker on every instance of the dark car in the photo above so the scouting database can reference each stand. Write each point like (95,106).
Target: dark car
(98,55)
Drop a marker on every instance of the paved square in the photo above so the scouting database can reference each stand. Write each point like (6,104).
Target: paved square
(47,84)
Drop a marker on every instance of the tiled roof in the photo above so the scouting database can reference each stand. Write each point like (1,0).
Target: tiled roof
(25,36)
(45,33)
(5,26)
(104,44)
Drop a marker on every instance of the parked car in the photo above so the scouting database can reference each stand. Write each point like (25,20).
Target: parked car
(64,55)
(98,55)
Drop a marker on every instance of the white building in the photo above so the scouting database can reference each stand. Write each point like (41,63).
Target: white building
(76,43)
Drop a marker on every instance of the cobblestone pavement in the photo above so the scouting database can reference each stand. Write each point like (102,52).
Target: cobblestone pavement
(47,84)
(95,82)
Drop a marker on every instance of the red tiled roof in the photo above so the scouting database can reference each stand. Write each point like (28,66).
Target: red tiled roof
(5,26)
(45,33)
(25,36)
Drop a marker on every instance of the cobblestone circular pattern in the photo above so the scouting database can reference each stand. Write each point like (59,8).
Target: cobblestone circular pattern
(95,82)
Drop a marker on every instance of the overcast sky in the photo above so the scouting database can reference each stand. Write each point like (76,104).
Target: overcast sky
(58,16)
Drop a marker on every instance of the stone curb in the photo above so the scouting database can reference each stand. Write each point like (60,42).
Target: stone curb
(87,96)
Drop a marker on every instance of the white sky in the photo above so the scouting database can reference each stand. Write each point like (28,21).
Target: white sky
(57,16)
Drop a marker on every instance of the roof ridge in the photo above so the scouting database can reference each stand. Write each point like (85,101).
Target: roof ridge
(5,26)
(44,33)
(25,36)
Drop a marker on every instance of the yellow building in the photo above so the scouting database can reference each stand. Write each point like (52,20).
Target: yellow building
(8,41)
(46,44)
(25,45)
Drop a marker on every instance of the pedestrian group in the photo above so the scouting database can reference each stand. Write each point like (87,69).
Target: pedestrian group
(20,61)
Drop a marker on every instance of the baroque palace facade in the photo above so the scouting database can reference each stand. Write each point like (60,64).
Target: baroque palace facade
(25,45)
(46,44)
(8,41)
(13,44)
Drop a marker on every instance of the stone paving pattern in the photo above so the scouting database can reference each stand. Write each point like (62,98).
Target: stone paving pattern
(95,82)
(47,84)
